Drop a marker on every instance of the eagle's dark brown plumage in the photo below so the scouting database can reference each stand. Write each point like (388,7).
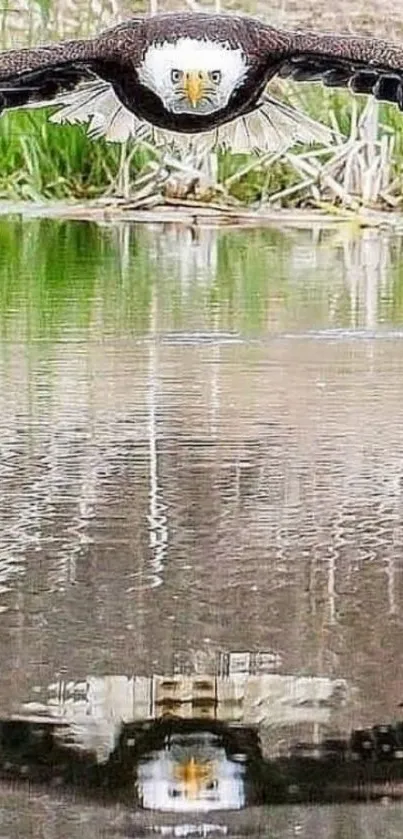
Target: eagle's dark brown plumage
(117,60)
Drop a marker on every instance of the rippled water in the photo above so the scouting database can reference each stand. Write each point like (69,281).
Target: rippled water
(201,472)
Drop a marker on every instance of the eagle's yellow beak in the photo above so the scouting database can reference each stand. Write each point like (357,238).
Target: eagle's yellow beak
(195,83)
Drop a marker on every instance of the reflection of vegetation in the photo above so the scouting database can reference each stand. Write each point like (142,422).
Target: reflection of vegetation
(47,274)
(58,277)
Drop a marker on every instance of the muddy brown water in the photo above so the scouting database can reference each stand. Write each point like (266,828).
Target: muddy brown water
(201,477)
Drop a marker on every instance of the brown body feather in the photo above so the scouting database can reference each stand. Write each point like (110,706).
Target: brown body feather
(366,65)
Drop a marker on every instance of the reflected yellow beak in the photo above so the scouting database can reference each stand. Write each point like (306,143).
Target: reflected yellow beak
(194,775)
(195,83)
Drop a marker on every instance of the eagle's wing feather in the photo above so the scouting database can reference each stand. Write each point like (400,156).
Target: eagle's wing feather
(365,65)
(96,104)
(32,75)
(41,86)
(39,74)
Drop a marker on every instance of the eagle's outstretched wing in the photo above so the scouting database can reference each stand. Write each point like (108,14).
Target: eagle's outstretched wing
(40,86)
(365,65)
(39,74)
(108,64)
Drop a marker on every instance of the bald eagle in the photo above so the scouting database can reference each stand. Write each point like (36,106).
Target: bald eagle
(196,74)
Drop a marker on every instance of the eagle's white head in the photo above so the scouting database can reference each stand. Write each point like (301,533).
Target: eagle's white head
(192,75)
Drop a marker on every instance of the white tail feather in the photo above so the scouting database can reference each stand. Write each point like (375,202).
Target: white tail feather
(273,126)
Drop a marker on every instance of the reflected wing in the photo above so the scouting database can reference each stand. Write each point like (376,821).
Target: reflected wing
(365,65)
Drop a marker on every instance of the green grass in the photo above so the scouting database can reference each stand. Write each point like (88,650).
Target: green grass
(39,159)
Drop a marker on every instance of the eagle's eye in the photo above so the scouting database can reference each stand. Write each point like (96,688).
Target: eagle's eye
(215,76)
(176,76)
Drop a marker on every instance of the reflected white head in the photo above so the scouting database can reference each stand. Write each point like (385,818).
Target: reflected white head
(193,76)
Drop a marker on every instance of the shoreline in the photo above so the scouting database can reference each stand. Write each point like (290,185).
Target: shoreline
(198,213)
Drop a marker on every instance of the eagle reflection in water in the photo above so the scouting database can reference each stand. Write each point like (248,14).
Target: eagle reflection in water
(199,765)
(191,772)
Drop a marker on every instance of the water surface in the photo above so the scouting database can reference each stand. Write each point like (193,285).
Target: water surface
(201,464)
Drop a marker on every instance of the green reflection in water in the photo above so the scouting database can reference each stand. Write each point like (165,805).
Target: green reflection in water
(67,280)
